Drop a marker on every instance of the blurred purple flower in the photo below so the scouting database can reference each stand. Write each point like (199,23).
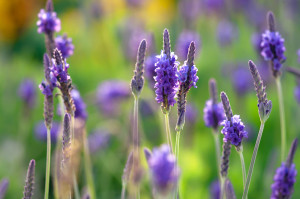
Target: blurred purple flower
(4,183)
(98,140)
(256,41)
(40,131)
(191,114)
(189,10)
(164,170)
(215,190)
(146,108)
(298,54)
(183,42)
(150,70)
(65,45)
(48,22)
(234,130)
(241,79)
(213,114)
(213,5)
(80,111)
(110,94)
(297,92)
(226,33)
(135,3)
(27,92)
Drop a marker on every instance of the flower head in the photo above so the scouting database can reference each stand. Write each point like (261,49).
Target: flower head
(183,43)
(27,91)
(164,169)
(213,114)
(241,79)
(59,68)
(80,106)
(273,48)
(234,130)
(46,89)
(185,75)
(65,45)
(48,22)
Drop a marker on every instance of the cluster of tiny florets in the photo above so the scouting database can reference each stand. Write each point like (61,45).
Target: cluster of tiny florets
(273,48)
(213,114)
(183,75)
(64,45)
(234,130)
(60,71)
(48,22)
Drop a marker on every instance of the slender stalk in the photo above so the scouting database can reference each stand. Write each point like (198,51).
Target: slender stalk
(169,138)
(136,155)
(48,164)
(243,166)
(222,184)
(251,167)
(218,152)
(282,118)
(88,166)
(76,190)
(177,158)
(123,190)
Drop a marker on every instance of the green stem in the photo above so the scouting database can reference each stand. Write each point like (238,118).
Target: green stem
(243,166)
(88,167)
(282,118)
(177,158)
(169,138)
(75,184)
(222,184)
(136,155)
(48,163)
(251,167)
(218,152)
(123,190)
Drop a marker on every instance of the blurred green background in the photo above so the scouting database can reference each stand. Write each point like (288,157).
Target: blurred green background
(100,30)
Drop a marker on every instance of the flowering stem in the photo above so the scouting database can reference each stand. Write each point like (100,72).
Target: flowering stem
(75,184)
(282,117)
(177,157)
(88,166)
(246,188)
(243,166)
(123,190)
(48,163)
(218,152)
(136,155)
(169,139)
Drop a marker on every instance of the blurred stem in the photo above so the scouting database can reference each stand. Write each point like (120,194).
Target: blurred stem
(88,166)
(48,163)
(123,190)
(240,152)
(218,152)
(282,118)
(177,158)
(75,184)
(136,155)
(169,138)
(222,184)
(251,167)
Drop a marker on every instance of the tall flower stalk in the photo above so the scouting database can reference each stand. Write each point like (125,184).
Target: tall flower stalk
(264,110)
(166,81)
(137,84)
(213,115)
(29,182)
(273,49)
(126,174)
(187,76)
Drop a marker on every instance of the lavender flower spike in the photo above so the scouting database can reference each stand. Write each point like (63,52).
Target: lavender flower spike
(27,92)
(229,191)
(272,45)
(187,78)
(65,45)
(213,113)
(164,170)
(264,105)
(66,143)
(29,183)
(3,187)
(166,79)
(137,81)
(285,177)
(48,21)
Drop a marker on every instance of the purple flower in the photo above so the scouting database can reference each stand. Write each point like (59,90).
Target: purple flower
(297,92)
(213,114)
(184,41)
(234,130)
(46,89)
(80,111)
(166,80)
(298,53)
(60,71)
(215,190)
(241,79)
(40,131)
(48,22)
(164,170)
(183,75)
(284,180)
(191,114)
(98,140)
(110,94)
(226,33)
(273,48)
(65,45)
(214,5)
(150,70)
(189,10)
(27,92)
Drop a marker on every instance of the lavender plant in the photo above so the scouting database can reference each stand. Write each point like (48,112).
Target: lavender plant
(166,81)
(137,84)
(285,176)
(264,110)
(234,132)
(213,115)
(29,182)
(64,45)
(273,51)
